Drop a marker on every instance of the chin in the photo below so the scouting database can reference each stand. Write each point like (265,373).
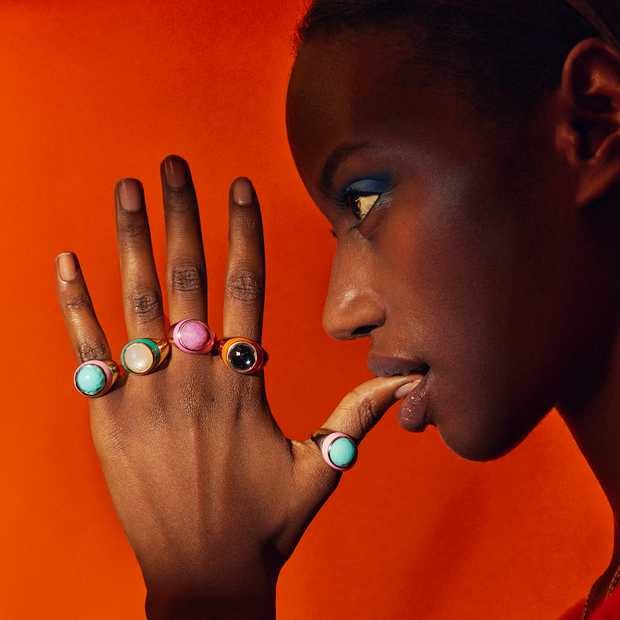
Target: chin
(486,442)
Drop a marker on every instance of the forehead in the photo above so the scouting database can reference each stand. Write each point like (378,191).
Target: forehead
(367,88)
(350,79)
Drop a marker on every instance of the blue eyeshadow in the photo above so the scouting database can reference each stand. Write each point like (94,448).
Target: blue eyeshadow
(368,186)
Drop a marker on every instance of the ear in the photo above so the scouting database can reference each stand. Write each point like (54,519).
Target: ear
(589,133)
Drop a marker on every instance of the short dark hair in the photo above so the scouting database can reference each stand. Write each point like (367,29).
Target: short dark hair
(505,55)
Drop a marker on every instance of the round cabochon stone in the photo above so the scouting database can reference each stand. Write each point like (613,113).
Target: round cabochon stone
(342,452)
(90,379)
(242,356)
(138,357)
(194,335)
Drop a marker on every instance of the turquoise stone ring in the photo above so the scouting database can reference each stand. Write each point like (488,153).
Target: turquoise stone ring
(339,450)
(342,452)
(94,378)
(90,379)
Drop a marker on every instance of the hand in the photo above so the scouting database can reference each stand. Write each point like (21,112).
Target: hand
(212,496)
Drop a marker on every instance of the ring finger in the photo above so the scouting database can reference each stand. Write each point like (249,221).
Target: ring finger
(142,298)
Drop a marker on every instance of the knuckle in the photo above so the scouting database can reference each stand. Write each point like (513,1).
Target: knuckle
(248,224)
(131,234)
(132,228)
(132,231)
(179,200)
(245,284)
(79,302)
(368,412)
(188,279)
(93,350)
(146,305)
(364,414)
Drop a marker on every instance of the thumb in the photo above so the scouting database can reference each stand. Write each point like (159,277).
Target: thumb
(364,406)
(356,414)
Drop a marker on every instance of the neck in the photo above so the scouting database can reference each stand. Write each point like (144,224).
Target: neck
(595,426)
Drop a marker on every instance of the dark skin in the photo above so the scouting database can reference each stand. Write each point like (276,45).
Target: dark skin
(506,238)
(212,496)
(480,259)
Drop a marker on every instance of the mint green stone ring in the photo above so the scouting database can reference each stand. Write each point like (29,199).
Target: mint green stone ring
(339,450)
(342,451)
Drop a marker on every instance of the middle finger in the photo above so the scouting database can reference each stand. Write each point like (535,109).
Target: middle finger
(186,272)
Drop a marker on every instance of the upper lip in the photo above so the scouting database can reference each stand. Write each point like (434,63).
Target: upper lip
(386,366)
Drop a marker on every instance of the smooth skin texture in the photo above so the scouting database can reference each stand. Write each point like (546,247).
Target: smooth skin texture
(212,496)
(492,255)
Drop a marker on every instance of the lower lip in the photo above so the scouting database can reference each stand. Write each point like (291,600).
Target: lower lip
(412,412)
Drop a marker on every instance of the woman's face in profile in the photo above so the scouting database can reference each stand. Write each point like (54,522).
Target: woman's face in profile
(458,250)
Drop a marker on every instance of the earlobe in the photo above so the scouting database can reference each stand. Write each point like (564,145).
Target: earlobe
(590,90)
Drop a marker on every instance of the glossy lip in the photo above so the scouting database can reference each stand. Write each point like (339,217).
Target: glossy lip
(412,413)
(386,366)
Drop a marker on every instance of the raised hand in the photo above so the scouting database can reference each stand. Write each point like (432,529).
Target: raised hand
(212,496)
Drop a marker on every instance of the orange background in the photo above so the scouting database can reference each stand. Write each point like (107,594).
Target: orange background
(95,91)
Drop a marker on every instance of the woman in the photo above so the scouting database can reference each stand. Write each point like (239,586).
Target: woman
(467,155)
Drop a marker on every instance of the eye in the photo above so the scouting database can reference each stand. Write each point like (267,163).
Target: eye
(361,205)
(360,197)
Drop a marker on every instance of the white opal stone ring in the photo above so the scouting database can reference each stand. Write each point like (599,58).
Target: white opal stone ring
(143,355)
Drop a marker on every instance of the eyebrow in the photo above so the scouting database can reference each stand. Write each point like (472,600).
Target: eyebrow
(343,151)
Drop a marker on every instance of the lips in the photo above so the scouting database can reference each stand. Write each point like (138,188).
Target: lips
(412,412)
(384,366)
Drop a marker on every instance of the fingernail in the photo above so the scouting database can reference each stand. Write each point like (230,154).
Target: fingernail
(406,389)
(67,267)
(243,192)
(130,195)
(176,173)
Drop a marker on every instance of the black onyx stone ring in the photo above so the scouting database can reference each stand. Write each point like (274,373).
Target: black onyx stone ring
(242,355)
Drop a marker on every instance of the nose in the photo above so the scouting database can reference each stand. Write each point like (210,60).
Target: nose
(354,307)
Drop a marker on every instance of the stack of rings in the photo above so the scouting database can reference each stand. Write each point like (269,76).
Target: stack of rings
(95,378)
(338,449)
(144,355)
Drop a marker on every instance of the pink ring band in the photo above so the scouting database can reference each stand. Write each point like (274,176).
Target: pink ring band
(327,442)
(207,337)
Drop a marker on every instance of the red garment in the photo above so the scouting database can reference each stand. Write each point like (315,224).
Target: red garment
(608,610)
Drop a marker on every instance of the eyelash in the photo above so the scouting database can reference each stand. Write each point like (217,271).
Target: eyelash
(343,198)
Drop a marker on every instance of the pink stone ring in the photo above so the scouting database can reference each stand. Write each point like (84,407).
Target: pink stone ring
(192,336)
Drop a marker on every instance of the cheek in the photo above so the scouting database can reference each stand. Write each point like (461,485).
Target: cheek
(476,306)
(453,261)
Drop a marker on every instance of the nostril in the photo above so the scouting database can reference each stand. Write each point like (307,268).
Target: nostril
(363,331)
